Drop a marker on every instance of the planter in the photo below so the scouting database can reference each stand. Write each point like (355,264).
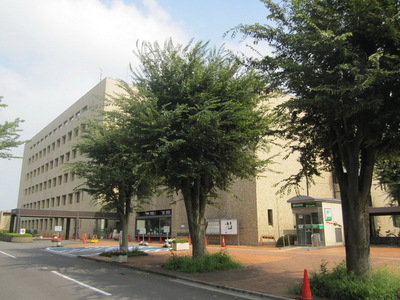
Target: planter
(119,258)
(56,244)
(180,246)
(16,239)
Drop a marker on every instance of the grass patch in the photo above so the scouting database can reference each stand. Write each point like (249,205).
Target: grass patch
(220,261)
(381,284)
(134,252)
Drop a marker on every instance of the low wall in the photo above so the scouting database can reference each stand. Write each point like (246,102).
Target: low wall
(16,239)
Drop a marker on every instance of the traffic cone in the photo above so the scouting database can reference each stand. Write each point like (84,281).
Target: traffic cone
(161,241)
(223,244)
(138,238)
(149,239)
(205,241)
(306,289)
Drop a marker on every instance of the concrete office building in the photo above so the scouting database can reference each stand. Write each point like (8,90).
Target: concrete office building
(45,186)
(252,212)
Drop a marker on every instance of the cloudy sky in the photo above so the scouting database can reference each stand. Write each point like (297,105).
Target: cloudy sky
(53,52)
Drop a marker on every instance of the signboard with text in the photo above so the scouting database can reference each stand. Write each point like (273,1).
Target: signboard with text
(229,226)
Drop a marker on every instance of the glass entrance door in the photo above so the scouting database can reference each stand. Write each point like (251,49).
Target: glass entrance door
(307,225)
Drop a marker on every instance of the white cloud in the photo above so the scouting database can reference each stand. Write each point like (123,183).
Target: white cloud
(53,52)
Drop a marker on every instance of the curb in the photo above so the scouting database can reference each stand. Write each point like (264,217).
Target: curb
(218,286)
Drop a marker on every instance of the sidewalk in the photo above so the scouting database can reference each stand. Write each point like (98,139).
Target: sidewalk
(268,270)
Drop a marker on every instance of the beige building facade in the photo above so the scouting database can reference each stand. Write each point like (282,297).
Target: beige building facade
(45,183)
(251,213)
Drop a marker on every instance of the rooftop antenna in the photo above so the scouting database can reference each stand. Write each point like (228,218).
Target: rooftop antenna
(101,74)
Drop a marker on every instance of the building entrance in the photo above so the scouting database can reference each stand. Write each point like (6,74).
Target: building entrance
(308,225)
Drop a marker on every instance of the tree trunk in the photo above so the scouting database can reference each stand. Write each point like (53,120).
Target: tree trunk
(124,210)
(123,246)
(355,185)
(195,203)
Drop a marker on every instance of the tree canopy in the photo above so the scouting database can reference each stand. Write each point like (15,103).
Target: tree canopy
(9,135)
(387,172)
(195,115)
(341,62)
(113,175)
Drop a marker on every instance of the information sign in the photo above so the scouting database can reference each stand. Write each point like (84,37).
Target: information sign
(229,226)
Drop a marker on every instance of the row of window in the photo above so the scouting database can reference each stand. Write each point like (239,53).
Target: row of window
(55,201)
(55,145)
(52,164)
(51,183)
(76,115)
(42,224)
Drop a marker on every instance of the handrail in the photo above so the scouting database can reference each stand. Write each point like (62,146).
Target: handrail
(316,240)
(283,239)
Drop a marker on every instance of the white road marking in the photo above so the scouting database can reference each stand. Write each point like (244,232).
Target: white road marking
(7,254)
(81,283)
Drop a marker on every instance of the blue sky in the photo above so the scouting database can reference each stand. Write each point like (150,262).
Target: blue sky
(53,52)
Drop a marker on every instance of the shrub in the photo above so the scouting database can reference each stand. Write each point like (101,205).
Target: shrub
(288,238)
(220,261)
(16,234)
(180,241)
(381,284)
(134,252)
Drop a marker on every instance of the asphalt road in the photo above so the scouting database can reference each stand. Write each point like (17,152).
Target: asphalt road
(28,271)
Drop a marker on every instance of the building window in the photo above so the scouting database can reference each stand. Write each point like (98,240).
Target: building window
(396,221)
(270,217)
(154,222)
(78,197)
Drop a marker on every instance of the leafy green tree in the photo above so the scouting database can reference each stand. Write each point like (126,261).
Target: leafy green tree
(341,61)
(387,171)
(113,175)
(195,115)
(9,135)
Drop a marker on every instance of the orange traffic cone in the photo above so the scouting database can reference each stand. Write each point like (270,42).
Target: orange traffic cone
(205,241)
(223,244)
(306,289)
(161,241)
(149,239)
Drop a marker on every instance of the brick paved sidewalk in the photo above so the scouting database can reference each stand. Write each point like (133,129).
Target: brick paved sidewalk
(268,270)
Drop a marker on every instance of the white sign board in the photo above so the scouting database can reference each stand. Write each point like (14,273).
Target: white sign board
(166,229)
(229,226)
(58,228)
(142,230)
(22,231)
